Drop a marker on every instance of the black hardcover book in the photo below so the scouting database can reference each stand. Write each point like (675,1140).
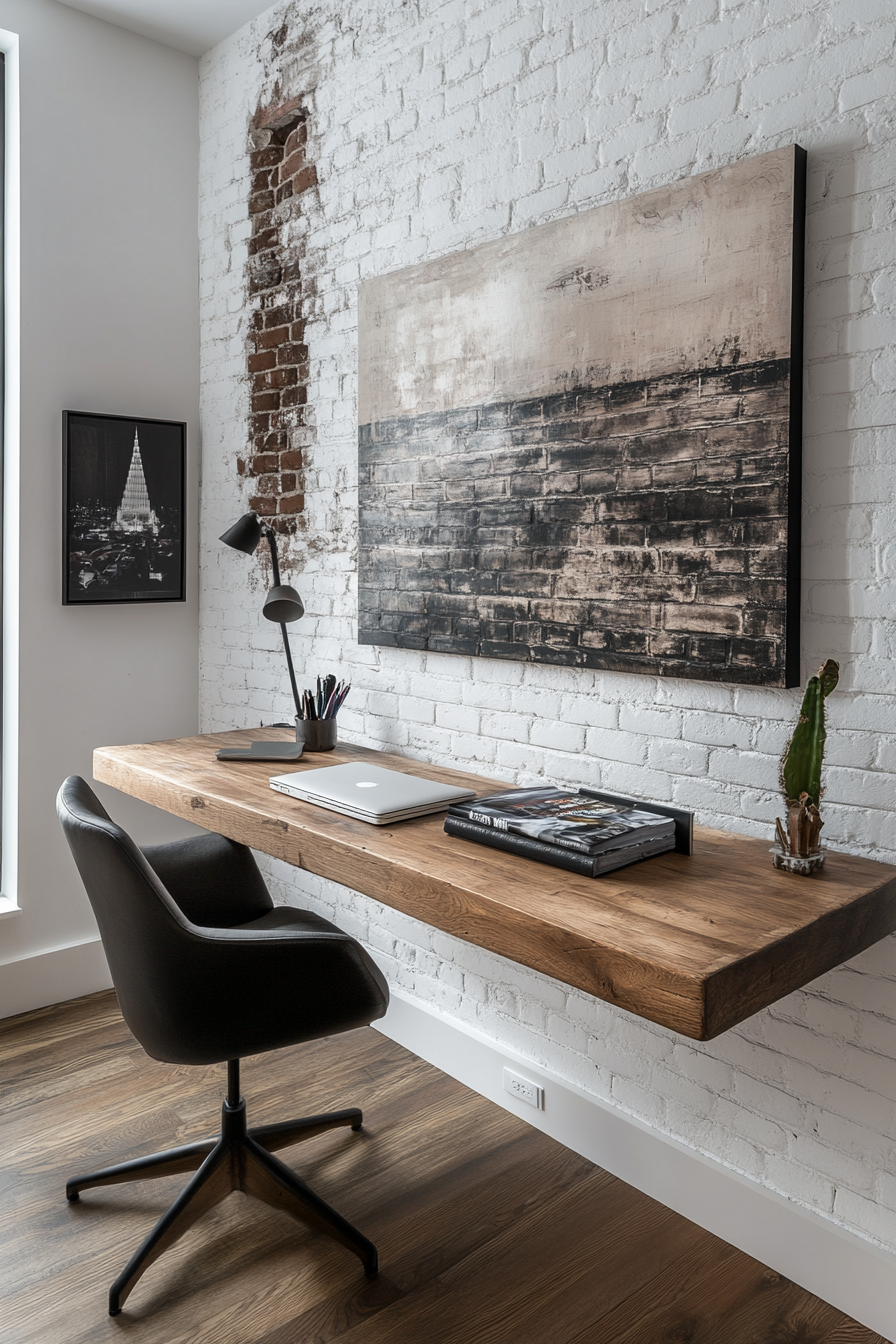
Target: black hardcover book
(588,865)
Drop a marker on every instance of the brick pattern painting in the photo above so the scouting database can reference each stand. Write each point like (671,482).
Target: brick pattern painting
(640,528)
(637,524)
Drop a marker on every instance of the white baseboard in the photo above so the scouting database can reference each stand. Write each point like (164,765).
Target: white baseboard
(53,977)
(839,1267)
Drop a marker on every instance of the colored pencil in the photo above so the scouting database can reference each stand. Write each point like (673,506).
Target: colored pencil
(325,701)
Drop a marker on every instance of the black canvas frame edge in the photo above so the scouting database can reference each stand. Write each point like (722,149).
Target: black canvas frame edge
(793,593)
(122,601)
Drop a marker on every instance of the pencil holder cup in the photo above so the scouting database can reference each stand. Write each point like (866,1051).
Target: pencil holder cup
(317,734)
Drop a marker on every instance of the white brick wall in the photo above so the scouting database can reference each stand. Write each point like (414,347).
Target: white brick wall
(433,126)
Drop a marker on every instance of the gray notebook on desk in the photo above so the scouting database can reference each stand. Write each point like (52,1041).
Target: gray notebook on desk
(370,792)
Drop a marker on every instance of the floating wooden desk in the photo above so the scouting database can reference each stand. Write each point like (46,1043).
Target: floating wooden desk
(695,943)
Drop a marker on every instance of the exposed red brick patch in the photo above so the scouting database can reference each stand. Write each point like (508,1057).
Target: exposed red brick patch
(277,359)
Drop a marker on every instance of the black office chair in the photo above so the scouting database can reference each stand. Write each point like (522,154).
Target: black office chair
(207,969)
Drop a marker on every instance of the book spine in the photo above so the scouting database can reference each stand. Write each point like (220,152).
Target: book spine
(468,812)
(520,844)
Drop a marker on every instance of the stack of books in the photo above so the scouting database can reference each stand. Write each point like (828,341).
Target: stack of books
(567,829)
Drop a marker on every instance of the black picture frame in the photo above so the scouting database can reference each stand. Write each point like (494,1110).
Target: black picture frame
(123,509)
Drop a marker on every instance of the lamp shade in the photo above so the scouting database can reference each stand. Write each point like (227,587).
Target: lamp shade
(244,535)
(283,605)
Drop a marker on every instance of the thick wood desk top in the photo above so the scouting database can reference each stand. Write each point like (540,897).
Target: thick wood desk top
(695,943)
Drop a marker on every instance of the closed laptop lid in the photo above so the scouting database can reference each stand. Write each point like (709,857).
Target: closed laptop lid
(370,788)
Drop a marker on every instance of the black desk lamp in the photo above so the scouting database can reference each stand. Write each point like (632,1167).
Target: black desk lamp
(282,605)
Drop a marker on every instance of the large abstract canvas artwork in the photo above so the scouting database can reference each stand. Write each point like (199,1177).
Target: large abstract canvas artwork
(580,444)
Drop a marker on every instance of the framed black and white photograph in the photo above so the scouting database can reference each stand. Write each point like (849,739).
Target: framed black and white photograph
(123,509)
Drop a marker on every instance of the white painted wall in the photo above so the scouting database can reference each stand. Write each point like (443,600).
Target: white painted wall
(109,315)
(436,125)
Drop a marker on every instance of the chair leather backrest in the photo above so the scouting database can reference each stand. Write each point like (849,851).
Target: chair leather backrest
(142,929)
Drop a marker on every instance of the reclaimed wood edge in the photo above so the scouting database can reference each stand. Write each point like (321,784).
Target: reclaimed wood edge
(734,993)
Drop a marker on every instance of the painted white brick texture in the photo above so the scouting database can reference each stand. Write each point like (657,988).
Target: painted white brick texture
(434,126)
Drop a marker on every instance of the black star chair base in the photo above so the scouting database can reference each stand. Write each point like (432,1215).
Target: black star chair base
(208,970)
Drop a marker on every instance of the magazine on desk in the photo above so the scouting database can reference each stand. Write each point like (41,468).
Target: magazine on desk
(565,818)
(589,865)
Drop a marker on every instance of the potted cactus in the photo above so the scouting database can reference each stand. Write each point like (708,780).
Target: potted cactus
(797,849)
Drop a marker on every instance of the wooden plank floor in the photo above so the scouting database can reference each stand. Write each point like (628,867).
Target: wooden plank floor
(488,1232)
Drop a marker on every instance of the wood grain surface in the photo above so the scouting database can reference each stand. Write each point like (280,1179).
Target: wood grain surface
(488,1231)
(697,943)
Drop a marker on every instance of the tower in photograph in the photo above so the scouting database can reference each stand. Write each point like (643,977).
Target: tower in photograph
(135,512)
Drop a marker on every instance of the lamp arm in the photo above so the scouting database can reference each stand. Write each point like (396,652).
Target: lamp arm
(292,673)
(275,564)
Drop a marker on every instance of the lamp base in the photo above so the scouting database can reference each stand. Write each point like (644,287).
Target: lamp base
(262,751)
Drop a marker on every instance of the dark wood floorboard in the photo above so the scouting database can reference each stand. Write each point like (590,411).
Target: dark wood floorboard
(488,1232)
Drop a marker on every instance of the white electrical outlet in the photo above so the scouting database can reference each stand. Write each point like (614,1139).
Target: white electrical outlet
(524,1089)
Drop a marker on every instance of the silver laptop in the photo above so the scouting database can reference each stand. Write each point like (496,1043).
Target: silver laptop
(369,792)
